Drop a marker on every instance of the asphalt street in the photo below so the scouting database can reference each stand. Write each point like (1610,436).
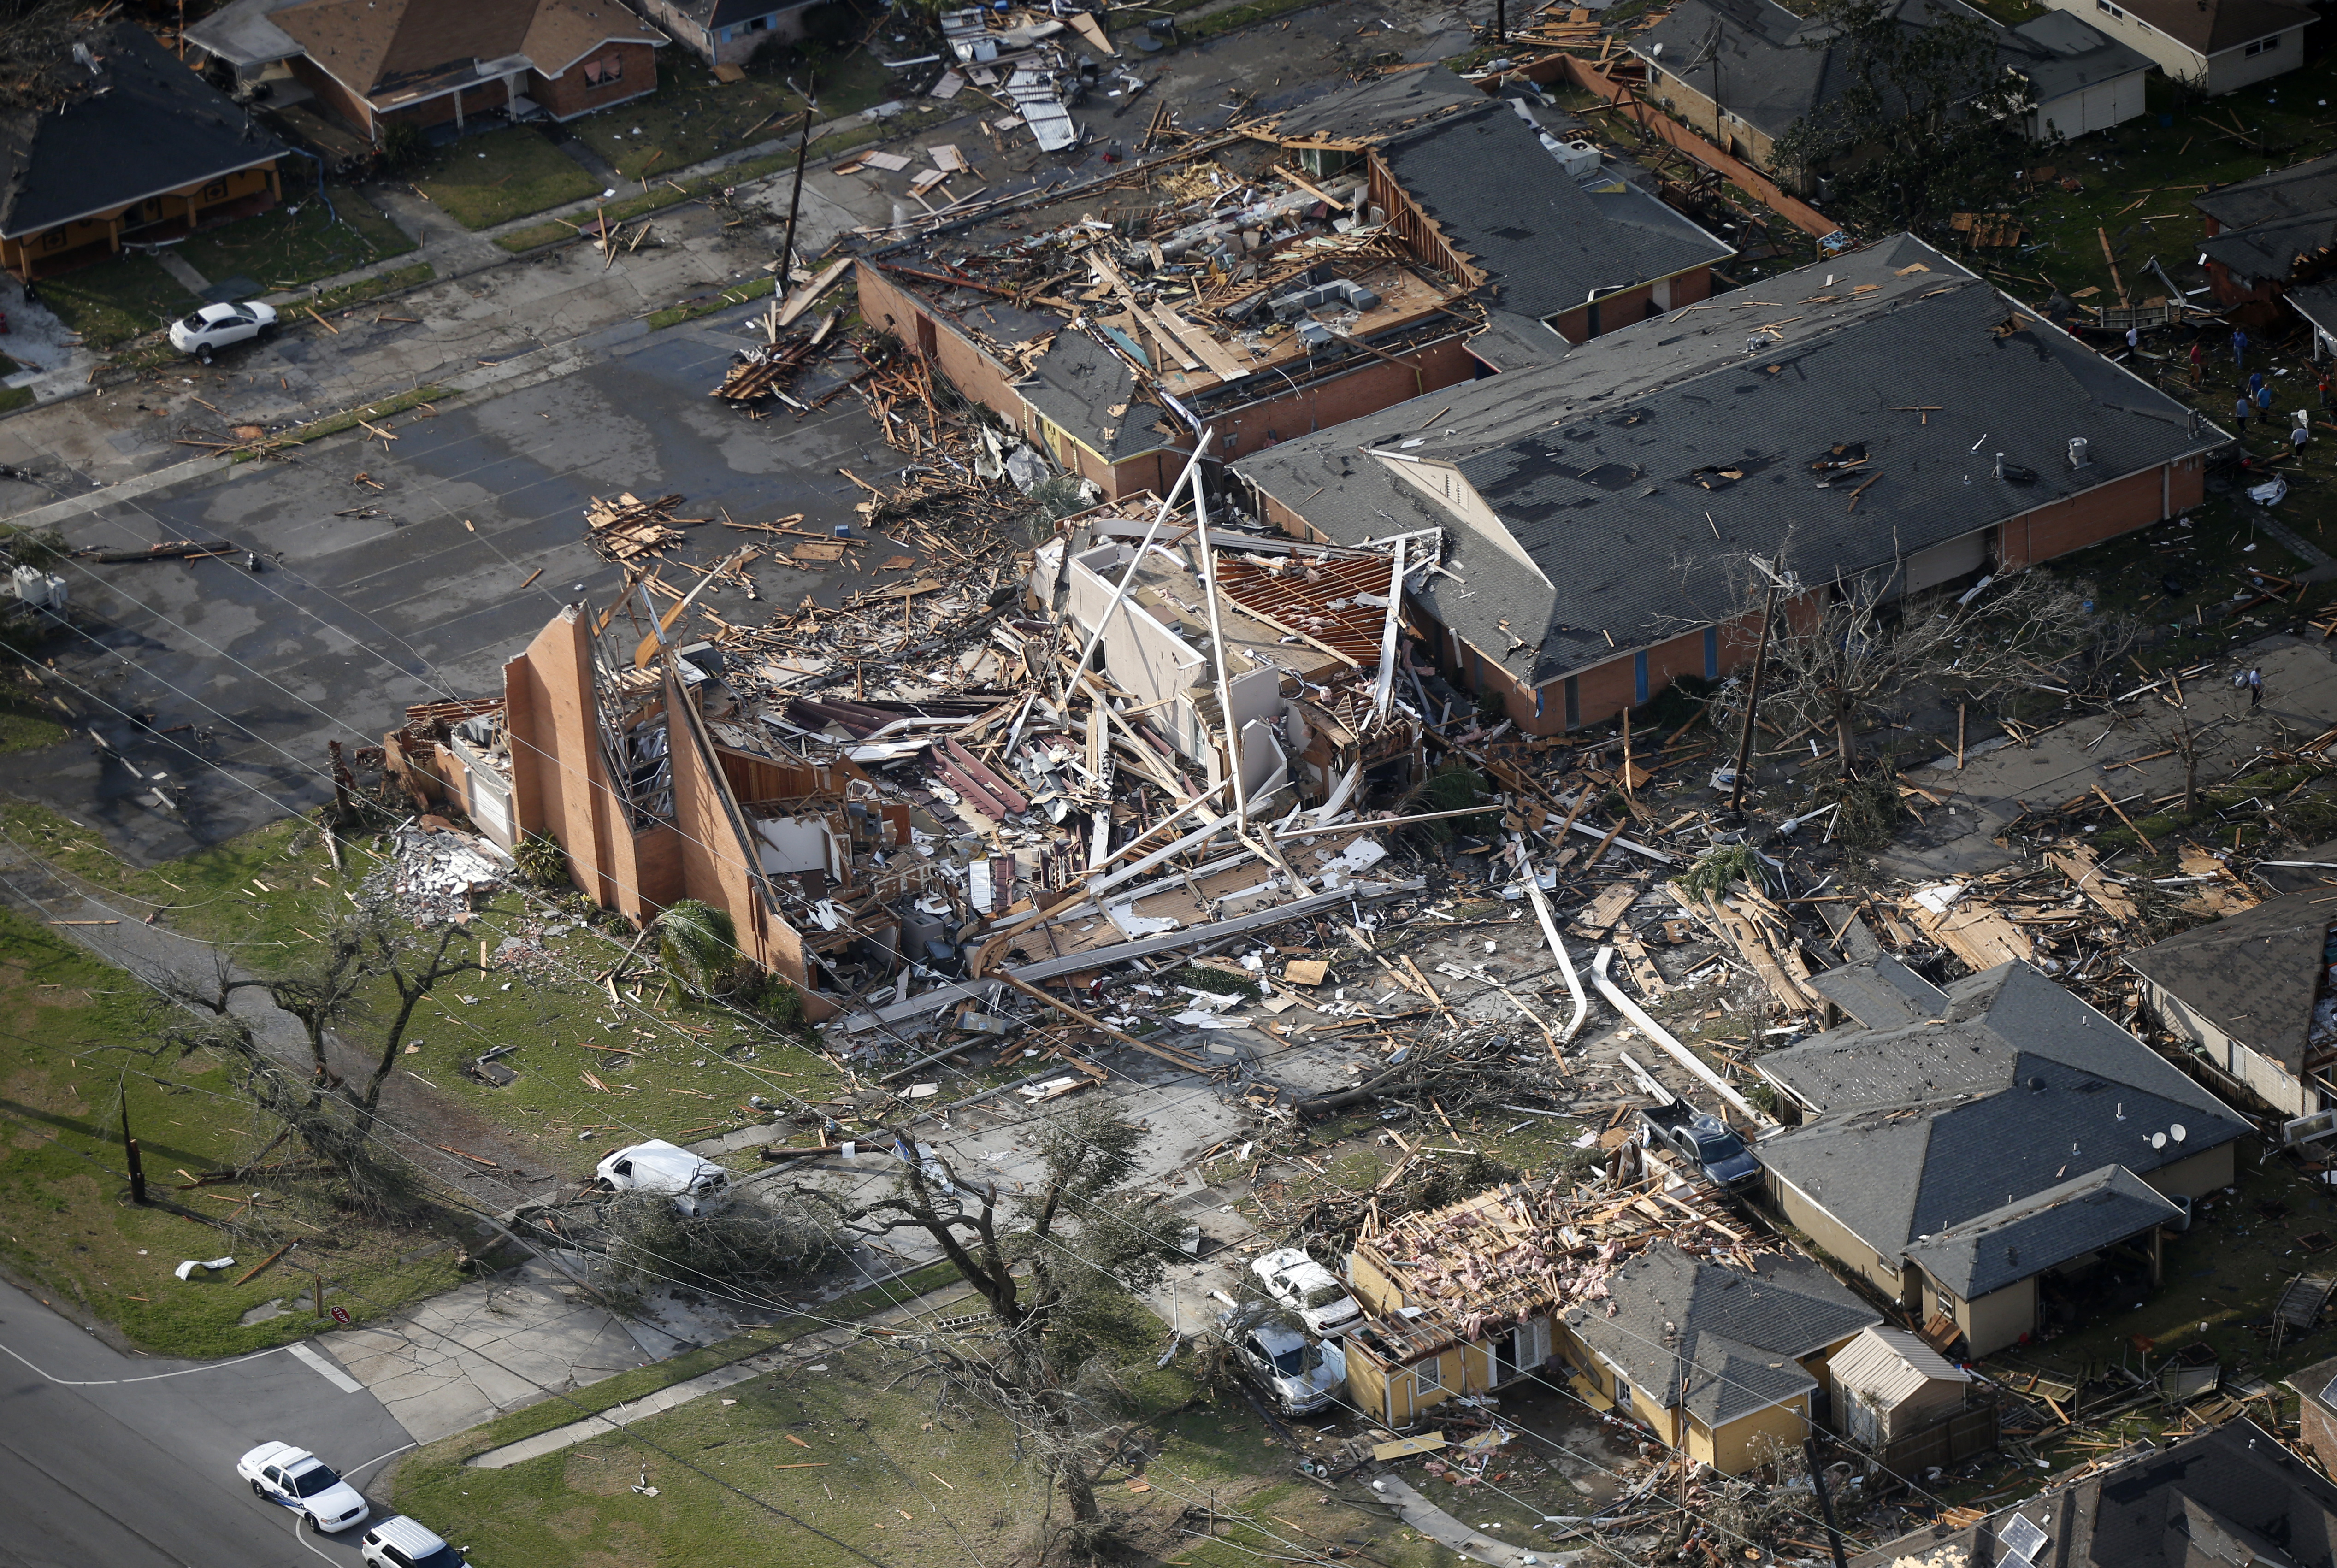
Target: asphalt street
(111,1461)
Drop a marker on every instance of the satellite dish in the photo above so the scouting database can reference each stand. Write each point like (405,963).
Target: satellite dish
(2158,1140)
(2176,1133)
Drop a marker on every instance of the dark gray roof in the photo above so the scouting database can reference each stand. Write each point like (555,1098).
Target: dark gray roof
(2315,868)
(2317,303)
(1718,1340)
(1773,68)
(2254,975)
(2231,1494)
(2268,222)
(1504,201)
(1881,992)
(142,124)
(1925,1127)
(1077,383)
(1591,462)
(2041,1231)
(1378,107)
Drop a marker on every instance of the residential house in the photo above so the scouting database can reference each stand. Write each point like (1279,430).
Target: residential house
(425,63)
(2252,994)
(1719,1362)
(1593,505)
(2316,1409)
(1743,73)
(1286,301)
(2268,235)
(2232,1496)
(1970,1152)
(2212,46)
(1888,1386)
(729,31)
(128,146)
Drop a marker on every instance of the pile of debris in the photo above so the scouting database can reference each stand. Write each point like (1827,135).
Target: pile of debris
(438,874)
(627,528)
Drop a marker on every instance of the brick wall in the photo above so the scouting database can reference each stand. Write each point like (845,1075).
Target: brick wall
(568,94)
(440,110)
(2103,513)
(345,105)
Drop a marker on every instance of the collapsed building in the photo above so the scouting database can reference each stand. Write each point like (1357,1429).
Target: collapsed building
(1290,277)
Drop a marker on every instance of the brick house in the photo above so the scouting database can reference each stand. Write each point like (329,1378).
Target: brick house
(131,147)
(425,63)
(1594,504)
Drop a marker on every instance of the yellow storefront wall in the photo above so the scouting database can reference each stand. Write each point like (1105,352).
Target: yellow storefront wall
(187,204)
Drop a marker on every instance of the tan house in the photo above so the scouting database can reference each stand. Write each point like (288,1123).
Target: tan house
(2214,46)
(1718,1362)
(1980,1151)
(1887,1385)
(427,63)
(131,147)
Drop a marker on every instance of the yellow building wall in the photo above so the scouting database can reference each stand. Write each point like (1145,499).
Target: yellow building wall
(1753,1439)
(1370,1285)
(2200,1174)
(1836,1240)
(188,200)
(1999,1318)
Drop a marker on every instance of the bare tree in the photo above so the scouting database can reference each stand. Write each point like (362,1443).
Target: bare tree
(2193,744)
(1055,1264)
(337,991)
(1843,650)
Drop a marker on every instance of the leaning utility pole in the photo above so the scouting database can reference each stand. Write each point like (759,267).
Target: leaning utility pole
(1753,697)
(1825,1503)
(129,1154)
(795,201)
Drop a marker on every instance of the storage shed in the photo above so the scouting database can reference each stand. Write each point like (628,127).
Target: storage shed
(1886,1383)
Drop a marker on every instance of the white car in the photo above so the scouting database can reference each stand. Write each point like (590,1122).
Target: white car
(399,1541)
(215,326)
(1300,1374)
(296,1479)
(698,1186)
(1308,1288)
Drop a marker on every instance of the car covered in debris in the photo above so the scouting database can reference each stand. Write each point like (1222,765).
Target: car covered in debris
(1709,1145)
(216,326)
(1305,1287)
(697,1185)
(1300,1374)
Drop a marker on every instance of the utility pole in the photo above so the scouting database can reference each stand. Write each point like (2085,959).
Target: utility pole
(795,201)
(1752,703)
(129,1154)
(1825,1503)
(1501,21)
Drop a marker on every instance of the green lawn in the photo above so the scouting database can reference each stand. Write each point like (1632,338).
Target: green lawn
(66,1226)
(27,722)
(691,118)
(296,241)
(483,180)
(116,300)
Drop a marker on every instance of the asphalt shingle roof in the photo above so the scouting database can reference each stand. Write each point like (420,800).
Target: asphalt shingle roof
(1881,992)
(1591,463)
(1501,199)
(2255,975)
(2231,1494)
(1370,110)
(2068,1220)
(1718,1340)
(1925,1127)
(142,124)
(2266,223)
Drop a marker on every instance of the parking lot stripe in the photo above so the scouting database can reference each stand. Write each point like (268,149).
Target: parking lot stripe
(326,1371)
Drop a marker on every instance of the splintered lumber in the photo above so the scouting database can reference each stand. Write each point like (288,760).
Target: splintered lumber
(2078,865)
(1753,945)
(1595,918)
(1975,933)
(759,373)
(630,527)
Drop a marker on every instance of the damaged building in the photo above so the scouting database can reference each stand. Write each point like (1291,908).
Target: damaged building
(1885,412)
(1288,278)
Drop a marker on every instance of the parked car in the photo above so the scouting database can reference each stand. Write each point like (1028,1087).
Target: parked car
(1301,1374)
(1704,1142)
(402,1543)
(697,1185)
(216,326)
(1305,1287)
(296,1479)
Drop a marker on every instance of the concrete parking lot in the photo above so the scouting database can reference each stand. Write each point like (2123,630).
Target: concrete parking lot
(417,596)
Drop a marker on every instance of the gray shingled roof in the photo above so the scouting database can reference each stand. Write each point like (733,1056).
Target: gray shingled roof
(2254,975)
(2268,221)
(2041,1231)
(1925,1127)
(1718,1340)
(1881,992)
(1077,383)
(2234,1494)
(1590,462)
(142,124)
(1501,199)
(1379,107)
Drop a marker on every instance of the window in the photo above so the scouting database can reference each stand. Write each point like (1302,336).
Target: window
(1638,678)
(2264,45)
(610,67)
(2105,5)
(759,25)
(1712,653)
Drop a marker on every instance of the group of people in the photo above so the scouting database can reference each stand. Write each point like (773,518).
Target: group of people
(2254,399)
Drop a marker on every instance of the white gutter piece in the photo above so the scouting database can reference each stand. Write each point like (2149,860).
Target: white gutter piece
(1663,1037)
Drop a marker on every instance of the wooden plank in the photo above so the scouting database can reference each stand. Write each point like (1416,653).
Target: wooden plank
(2078,864)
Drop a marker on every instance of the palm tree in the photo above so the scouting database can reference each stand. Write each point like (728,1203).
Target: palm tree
(698,945)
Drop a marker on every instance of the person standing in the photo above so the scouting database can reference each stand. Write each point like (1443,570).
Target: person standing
(2297,436)
(2134,339)
(2263,402)
(2240,347)
(2198,362)
(2240,414)
(2255,382)
(2255,687)
(2324,386)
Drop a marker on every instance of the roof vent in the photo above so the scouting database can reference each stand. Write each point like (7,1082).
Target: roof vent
(2078,458)
(2036,1085)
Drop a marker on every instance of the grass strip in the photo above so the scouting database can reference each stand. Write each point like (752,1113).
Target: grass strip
(348,419)
(691,310)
